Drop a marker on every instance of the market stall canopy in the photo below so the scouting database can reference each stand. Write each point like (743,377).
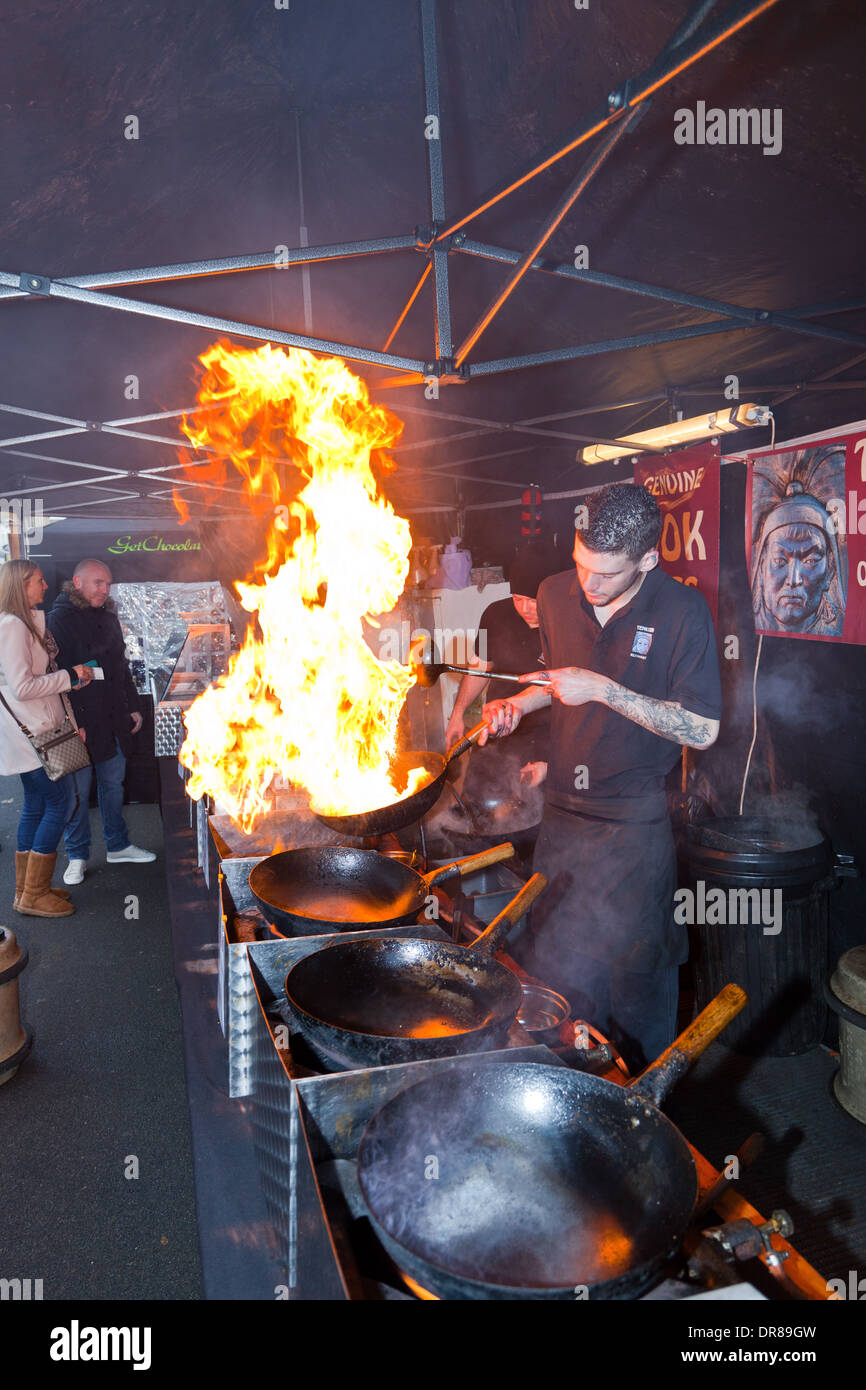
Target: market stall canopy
(158,135)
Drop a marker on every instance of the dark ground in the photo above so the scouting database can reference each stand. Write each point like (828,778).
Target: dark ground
(104,1082)
(128,1060)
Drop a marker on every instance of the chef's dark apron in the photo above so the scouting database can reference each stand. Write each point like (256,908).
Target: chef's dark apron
(610,893)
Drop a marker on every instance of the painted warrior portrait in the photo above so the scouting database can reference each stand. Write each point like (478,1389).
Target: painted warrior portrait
(799,557)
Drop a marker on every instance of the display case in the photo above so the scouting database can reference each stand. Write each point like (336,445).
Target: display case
(202,654)
(178,641)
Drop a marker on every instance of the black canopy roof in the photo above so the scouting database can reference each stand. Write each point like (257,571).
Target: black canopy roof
(254,121)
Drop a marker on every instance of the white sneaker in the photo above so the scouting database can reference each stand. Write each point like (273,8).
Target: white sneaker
(74,871)
(131,855)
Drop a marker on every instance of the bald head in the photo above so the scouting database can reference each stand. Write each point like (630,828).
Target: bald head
(92,579)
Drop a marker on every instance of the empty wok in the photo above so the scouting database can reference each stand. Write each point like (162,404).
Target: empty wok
(549,1183)
(382,1000)
(313,892)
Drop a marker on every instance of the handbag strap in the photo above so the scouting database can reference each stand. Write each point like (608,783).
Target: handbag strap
(64,699)
(53,653)
(23,727)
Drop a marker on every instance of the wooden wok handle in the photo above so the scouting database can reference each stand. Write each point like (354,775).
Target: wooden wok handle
(674,1062)
(494,855)
(499,929)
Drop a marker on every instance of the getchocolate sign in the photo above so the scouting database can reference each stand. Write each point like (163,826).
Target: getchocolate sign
(126,544)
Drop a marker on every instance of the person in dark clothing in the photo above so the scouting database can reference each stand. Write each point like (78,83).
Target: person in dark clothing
(508,640)
(634,673)
(86,628)
(501,784)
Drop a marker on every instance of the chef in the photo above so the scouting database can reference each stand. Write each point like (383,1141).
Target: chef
(508,640)
(634,675)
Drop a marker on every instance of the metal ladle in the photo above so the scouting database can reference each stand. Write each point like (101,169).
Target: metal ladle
(428,673)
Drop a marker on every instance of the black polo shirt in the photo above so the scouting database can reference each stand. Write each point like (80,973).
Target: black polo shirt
(661,644)
(510,645)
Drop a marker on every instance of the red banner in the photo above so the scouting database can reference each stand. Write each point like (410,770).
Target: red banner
(806,539)
(686,486)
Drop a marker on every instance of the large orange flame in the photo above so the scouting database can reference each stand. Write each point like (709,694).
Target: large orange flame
(305,697)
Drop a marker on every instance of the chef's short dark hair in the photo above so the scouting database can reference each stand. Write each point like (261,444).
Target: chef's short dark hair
(622,517)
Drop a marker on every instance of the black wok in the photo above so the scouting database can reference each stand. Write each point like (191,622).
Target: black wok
(383,1000)
(381,819)
(313,892)
(549,1183)
(441,842)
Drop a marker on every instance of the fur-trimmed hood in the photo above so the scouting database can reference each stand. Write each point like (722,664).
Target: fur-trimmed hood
(104,708)
(77,599)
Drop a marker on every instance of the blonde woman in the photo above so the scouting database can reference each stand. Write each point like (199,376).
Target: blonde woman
(32,695)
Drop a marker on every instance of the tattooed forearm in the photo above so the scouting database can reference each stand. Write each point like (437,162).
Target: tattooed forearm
(662,717)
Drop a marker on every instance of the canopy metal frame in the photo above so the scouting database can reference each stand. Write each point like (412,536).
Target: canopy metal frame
(700,33)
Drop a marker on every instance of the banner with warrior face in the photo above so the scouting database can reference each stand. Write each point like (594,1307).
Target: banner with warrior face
(806,555)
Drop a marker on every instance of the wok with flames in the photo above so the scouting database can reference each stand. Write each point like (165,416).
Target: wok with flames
(411,807)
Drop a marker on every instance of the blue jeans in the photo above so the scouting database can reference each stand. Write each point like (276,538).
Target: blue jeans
(46,806)
(109,786)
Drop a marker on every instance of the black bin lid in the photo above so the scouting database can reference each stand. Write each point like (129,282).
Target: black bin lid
(785,848)
(756,834)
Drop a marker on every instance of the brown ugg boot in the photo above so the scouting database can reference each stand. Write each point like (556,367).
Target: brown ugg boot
(37,899)
(21,857)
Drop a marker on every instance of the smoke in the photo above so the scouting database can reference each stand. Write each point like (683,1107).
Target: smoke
(794,692)
(802,701)
(519,811)
(788,817)
(493,792)
(276,832)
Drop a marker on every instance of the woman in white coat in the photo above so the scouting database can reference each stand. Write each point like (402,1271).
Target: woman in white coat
(32,693)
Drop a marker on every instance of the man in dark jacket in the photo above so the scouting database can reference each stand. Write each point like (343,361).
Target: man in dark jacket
(84,622)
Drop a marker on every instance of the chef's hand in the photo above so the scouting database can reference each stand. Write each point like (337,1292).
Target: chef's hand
(571,685)
(503,717)
(84,674)
(137,722)
(453,732)
(533,774)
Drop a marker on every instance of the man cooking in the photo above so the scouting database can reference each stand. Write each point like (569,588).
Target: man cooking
(634,674)
(508,640)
